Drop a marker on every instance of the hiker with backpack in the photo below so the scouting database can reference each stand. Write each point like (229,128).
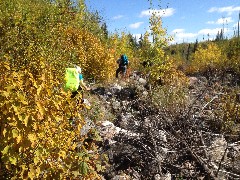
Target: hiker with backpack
(81,85)
(122,65)
(74,81)
(75,84)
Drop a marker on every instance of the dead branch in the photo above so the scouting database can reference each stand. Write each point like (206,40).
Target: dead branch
(220,163)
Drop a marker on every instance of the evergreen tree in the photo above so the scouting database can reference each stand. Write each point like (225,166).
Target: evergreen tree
(104,29)
(238,24)
(188,51)
(133,41)
(195,46)
(140,42)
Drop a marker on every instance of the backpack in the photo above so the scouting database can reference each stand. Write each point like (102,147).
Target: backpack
(71,79)
(124,59)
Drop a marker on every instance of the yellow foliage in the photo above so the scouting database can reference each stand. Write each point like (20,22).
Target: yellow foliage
(207,58)
(163,70)
(229,113)
(35,127)
(232,49)
(38,41)
(90,53)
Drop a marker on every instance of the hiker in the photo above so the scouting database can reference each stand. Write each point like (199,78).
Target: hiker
(122,65)
(75,83)
(82,85)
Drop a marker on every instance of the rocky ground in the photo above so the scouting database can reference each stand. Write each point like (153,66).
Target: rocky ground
(146,139)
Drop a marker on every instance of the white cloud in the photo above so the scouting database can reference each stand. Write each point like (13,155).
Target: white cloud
(235,25)
(221,21)
(224,20)
(117,17)
(178,31)
(211,32)
(211,22)
(227,9)
(186,35)
(162,12)
(180,35)
(135,25)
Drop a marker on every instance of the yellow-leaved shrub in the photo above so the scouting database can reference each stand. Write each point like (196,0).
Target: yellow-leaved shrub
(90,53)
(120,44)
(163,70)
(37,138)
(232,50)
(209,58)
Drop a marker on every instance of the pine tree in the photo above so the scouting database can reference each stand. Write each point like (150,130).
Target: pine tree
(188,51)
(140,42)
(105,30)
(221,35)
(238,23)
(195,46)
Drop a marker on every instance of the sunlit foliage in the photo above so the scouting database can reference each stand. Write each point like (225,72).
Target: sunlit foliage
(210,58)
(39,39)
(161,68)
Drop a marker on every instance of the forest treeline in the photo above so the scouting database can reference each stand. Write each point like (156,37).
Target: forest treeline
(38,40)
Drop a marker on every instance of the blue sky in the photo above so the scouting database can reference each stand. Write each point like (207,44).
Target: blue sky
(186,20)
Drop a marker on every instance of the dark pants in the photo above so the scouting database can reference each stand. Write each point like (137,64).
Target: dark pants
(74,93)
(122,69)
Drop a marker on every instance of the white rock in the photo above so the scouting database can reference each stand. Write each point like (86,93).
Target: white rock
(107,123)
(109,94)
(116,105)
(193,80)
(164,177)
(162,135)
(142,81)
(85,101)
(117,86)
(145,93)
(121,177)
(216,150)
